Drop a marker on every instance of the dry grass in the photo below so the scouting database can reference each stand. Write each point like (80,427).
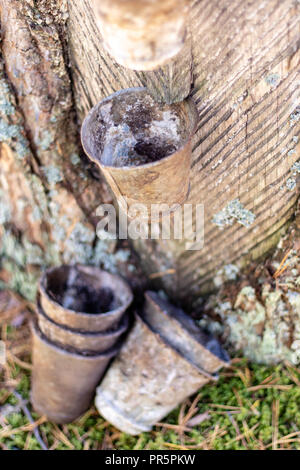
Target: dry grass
(251,407)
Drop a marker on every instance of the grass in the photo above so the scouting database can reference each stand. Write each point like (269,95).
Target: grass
(251,407)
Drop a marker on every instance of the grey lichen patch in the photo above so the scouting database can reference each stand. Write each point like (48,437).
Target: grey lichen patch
(11,125)
(12,249)
(229,272)
(261,319)
(75,159)
(83,176)
(5,209)
(46,140)
(7,131)
(53,174)
(78,246)
(234,211)
(34,253)
(21,251)
(295,116)
(296,168)
(21,146)
(20,281)
(6,106)
(105,257)
(72,235)
(261,328)
(12,132)
(272,79)
(291,184)
(39,193)
(22,260)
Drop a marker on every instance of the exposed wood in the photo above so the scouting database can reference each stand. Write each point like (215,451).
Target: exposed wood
(174,81)
(142,35)
(246,86)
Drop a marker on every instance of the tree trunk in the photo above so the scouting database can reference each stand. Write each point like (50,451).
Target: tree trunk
(241,62)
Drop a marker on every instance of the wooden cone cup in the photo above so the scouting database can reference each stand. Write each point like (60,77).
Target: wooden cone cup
(146,381)
(181,331)
(63,382)
(82,342)
(129,128)
(55,282)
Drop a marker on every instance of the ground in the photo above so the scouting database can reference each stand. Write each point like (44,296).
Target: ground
(251,407)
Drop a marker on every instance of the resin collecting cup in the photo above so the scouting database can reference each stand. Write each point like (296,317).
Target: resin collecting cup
(139,34)
(57,285)
(63,382)
(90,342)
(146,381)
(143,148)
(181,331)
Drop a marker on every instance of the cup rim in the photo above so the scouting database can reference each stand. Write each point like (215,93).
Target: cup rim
(35,330)
(124,306)
(165,342)
(189,101)
(122,327)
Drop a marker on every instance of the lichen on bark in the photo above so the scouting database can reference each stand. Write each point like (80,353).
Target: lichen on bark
(258,312)
(48,191)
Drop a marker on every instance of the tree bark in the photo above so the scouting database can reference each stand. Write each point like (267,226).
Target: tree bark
(245,74)
(241,63)
(49,191)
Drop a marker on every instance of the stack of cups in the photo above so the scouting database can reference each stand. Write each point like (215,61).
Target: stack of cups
(165,358)
(79,329)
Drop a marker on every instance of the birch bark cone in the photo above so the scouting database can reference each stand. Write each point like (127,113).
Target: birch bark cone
(241,63)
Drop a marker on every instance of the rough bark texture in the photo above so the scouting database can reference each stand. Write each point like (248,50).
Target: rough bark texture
(49,192)
(241,62)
